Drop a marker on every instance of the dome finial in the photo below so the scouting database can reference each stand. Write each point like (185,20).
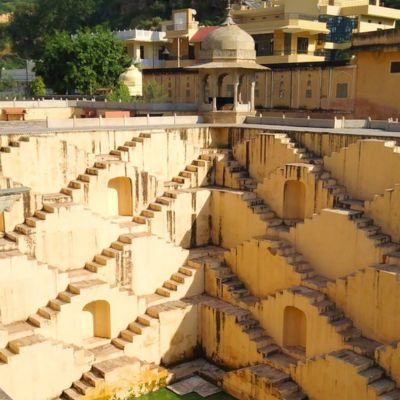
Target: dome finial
(229,19)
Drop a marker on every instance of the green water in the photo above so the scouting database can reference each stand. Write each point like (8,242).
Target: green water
(165,394)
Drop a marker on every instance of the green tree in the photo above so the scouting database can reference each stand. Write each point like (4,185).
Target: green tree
(119,93)
(38,87)
(32,23)
(153,92)
(84,62)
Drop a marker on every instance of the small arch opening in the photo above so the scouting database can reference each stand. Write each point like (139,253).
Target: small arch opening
(294,199)
(295,329)
(96,320)
(120,200)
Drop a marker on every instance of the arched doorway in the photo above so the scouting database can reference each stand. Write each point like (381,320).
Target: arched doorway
(225,92)
(96,320)
(120,196)
(294,200)
(294,328)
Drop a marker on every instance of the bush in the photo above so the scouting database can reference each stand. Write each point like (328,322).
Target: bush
(38,87)
(120,92)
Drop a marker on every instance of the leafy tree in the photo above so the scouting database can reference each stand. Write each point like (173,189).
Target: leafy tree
(38,87)
(153,92)
(7,83)
(84,62)
(33,22)
(119,93)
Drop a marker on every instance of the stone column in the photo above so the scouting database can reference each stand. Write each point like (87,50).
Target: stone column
(214,90)
(235,91)
(253,95)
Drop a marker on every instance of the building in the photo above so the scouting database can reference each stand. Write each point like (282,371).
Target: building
(145,47)
(378,69)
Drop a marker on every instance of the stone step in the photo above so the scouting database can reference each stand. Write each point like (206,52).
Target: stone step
(6,355)
(147,320)
(66,296)
(392,395)
(117,245)
(128,335)
(187,271)
(110,252)
(57,198)
(155,207)
(47,312)
(148,213)
(75,184)
(84,178)
(78,287)
(164,200)
(179,277)
(382,386)
(72,394)
(120,343)
(92,378)
(137,327)
(92,171)
(163,292)
(82,387)
(24,229)
(372,374)
(93,266)
(268,350)
(171,285)
(56,304)
(359,362)
(32,221)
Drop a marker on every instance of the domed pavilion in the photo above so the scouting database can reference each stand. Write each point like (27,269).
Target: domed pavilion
(227,53)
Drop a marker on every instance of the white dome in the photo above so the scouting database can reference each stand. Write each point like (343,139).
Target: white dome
(133,78)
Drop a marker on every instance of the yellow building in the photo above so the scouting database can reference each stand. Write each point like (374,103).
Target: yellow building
(285,31)
(378,71)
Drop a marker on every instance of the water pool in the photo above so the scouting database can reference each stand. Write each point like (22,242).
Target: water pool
(165,394)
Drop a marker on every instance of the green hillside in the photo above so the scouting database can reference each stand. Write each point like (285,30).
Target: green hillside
(10,5)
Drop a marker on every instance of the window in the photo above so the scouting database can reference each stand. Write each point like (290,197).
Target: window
(302,45)
(264,44)
(142,52)
(229,90)
(341,91)
(395,67)
(308,94)
(187,93)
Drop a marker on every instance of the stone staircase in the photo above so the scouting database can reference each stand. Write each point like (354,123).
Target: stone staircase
(177,286)
(271,354)
(121,155)
(382,241)
(233,290)
(92,382)
(195,175)
(383,387)
(279,383)
(45,315)
(14,143)
(170,294)
(26,343)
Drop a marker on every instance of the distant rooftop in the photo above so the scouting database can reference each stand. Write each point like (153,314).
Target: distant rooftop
(388,39)
(141,35)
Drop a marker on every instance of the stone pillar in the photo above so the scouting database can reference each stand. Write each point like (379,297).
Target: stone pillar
(235,91)
(253,95)
(214,90)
